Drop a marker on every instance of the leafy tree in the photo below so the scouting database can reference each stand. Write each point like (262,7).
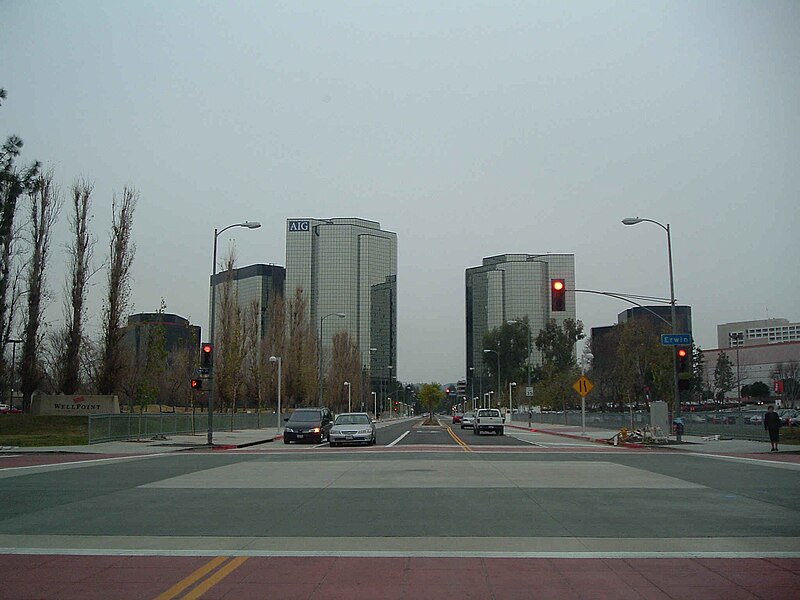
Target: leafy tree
(789,373)
(511,344)
(759,389)
(557,344)
(698,371)
(14,182)
(431,395)
(724,380)
(345,365)
(643,363)
(121,252)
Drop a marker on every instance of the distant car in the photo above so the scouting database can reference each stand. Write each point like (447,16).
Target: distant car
(468,420)
(6,409)
(352,428)
(457,418)
(308,425)
(789,417)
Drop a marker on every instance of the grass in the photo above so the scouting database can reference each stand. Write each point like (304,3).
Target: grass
(43,430)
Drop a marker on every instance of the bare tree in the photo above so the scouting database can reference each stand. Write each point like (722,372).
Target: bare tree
(275,344)
(345,365)
(45,205)
(230,348)
(182,363)
(256,368)
(300,363)
(80,254)
(121,252)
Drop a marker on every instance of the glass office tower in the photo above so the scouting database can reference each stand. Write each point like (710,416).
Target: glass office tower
(255,283)
(348,266)
(510,287)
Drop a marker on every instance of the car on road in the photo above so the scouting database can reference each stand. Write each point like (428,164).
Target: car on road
(468,420)
(6,409)
(457,418)
(308,425)
(352,428)
(488,419)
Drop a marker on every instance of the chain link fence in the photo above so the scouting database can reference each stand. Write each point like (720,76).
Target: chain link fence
(133,426)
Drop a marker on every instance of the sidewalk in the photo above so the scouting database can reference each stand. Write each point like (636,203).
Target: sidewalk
(689,443)
(223,440)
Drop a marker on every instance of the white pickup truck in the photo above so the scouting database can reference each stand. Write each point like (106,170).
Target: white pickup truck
(488,419)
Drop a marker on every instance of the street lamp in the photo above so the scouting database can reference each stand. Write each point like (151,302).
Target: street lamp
(512,384)
(217,232)
(375,404)
(528,327)
(277,359)
(14,367)
(676,411)
(486,351)
(349,388)
(341,315)
(389,393)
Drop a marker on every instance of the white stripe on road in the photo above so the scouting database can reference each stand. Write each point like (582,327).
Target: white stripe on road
(398,439)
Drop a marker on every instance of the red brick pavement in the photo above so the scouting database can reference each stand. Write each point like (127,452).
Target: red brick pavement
(26,577)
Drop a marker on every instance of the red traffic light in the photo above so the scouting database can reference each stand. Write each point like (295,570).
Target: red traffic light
(558,300)
(207,348)
(681,352)
(197,384)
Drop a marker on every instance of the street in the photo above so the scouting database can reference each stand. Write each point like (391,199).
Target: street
(428,506)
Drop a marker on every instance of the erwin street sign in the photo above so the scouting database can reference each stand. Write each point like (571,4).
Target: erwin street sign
(676,339)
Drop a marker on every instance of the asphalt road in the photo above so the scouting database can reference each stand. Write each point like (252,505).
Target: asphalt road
(439,494)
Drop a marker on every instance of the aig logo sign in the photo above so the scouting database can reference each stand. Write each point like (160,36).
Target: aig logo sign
(298,225)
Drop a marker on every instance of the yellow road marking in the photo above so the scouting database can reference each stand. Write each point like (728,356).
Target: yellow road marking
(215,578)
(458,440)
(196,575)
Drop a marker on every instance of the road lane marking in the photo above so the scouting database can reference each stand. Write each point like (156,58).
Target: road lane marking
(192,578)
(398,439)
(74,464)
(458,440)
(221,574)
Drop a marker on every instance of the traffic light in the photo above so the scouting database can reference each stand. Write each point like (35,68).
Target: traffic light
(684,366)
(558,291)
(197,384)
(206,355)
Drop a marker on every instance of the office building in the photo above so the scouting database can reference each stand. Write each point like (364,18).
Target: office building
(348,266)
(178,333)
(765,331)
(660,316)
(512,287)
(255,284)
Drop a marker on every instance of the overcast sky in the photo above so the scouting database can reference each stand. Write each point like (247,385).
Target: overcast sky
(470,129)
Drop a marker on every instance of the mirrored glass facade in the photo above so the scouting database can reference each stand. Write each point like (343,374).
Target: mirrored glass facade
(511,287)
(254,283)
(347,266)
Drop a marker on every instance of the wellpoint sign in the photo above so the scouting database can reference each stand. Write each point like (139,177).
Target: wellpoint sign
(43,404)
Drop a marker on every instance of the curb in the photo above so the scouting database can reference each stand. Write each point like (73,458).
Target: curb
(246,444)
(579,437)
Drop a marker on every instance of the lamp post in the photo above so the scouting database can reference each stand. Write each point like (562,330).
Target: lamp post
(14,368)
(486,351)
(375,404)
(676,411)
(472,386)
(349,388)
(528,327)
(277,359)
(489,398)
(388,392)
(511,385)
(737,336)
(341,315)
(213,311)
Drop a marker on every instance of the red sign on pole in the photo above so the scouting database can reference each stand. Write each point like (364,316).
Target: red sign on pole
(777,386)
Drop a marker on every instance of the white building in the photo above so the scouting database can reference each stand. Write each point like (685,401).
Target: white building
(766,331)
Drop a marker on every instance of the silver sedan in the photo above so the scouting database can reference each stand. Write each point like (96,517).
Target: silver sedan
(352,428)
(468,420)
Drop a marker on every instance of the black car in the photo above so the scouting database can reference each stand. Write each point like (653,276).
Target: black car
(308,425)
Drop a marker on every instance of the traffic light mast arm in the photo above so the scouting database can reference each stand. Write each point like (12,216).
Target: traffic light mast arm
(627,298)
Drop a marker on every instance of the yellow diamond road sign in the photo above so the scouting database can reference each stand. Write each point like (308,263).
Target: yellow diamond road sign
(583,386)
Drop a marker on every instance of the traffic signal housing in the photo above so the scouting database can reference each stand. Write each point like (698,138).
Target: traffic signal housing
(684,367)
(206,355)
(558,295)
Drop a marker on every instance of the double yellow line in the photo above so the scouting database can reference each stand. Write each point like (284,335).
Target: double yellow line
(216,569)
(458,440)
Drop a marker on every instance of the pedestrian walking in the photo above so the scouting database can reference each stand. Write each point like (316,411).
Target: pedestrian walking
(772,423)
